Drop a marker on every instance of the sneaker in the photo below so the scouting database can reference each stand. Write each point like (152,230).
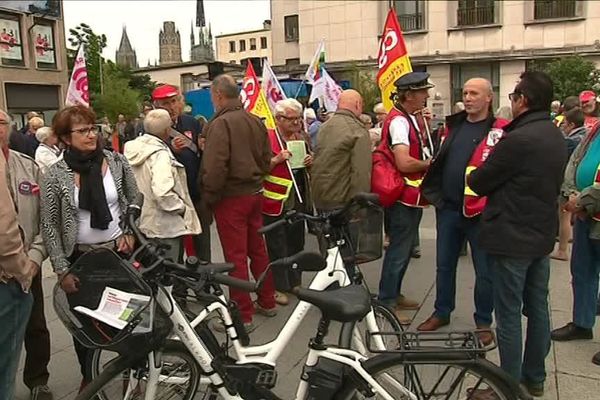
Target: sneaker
(416,252)
(596,358)
(41,392)
(534,389)
(403,318)
(249,327)
(404,303)
(281,299)
(267,312)
(571,332)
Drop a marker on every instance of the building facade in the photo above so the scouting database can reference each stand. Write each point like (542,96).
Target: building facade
(169,42)
(452,40)
(235,48)
(33,59)
(125,54)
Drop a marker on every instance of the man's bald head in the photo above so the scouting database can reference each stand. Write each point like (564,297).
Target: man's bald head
(352,101)
(477,97)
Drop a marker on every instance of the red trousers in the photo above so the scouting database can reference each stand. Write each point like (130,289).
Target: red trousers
(238,221)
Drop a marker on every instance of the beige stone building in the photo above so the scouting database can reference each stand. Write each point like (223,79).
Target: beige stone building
(33,59)
(233,48)
(452,40)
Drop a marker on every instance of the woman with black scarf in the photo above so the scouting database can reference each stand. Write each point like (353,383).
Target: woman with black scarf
(84,198)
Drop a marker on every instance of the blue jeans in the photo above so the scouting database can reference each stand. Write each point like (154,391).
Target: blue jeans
(15,307)
(402,224)
(521,284)
(585,268)
(452,229)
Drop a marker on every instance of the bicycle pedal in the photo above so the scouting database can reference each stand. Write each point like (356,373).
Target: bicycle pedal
(266,378)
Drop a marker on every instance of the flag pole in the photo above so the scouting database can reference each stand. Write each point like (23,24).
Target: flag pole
(287,164)
(300,88)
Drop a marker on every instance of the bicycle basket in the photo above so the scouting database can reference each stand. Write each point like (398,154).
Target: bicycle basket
(113,308)
(365,234)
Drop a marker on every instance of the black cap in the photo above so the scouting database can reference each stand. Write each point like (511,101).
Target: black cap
(413,81)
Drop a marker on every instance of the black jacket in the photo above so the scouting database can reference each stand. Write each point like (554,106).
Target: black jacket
(522,179)
(189,126)
(431,187)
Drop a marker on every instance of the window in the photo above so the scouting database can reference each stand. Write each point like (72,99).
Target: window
(292,61)
(548,9)
(463,72)
(475,12)
(291,28)
(232,46)
(11,45)
(263,42)
(242,45)
(253,44)
(43,42)
(411,15)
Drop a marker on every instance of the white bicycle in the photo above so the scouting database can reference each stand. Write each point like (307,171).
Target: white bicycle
(176,369)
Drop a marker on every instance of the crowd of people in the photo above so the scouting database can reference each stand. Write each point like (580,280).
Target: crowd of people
(496,181)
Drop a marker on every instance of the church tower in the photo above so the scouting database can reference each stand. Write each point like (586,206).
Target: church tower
(203,50)
(169,44)
(125,55)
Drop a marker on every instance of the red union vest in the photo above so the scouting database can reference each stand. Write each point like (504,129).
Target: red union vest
(411,195)
(277,185)
(474,204)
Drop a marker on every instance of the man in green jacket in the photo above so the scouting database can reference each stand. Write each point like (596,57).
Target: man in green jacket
(342,166)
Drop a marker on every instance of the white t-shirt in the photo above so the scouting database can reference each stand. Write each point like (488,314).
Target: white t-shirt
(88,235)
(400,130)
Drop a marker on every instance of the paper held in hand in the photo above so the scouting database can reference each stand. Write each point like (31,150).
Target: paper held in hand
(298,150)
(117,309)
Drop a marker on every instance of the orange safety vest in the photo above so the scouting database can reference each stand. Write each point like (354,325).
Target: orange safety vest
(278,184)
(474,204)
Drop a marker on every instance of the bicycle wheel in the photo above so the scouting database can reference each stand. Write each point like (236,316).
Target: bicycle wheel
(122,378)
(353,334)
(432,376)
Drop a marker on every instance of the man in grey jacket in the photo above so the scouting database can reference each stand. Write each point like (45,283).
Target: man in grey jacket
(16,274)
(24,180)
(342,166)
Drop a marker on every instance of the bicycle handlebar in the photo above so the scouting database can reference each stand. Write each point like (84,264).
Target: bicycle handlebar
(193,269)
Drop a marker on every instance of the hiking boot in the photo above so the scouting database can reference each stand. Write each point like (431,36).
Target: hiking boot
(267,312)
(404,303)
(41,392)
(433,323)
(571,332)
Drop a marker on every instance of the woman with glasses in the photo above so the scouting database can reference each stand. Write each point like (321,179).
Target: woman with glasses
(84,197)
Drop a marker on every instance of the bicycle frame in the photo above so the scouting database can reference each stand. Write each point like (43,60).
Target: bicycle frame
(334,272)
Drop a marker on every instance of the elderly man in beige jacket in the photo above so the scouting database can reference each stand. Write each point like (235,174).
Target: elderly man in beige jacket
(16,274)
(168,213)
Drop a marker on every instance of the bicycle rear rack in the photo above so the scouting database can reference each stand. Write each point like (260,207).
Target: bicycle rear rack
(463,342)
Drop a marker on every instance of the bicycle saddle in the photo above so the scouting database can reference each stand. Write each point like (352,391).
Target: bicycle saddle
(301,261)
(346,304)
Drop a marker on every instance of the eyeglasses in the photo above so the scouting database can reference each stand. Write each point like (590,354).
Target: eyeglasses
(514,96)
(90,130)
(291,119)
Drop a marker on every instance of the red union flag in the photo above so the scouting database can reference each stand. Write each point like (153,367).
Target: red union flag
(253,98)
(78,93)
(392,58)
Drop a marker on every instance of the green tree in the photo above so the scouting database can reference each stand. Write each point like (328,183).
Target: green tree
(94,44)
(118,97)
(571,75)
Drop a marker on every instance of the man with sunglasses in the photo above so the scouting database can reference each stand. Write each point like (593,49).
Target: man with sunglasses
(522,178)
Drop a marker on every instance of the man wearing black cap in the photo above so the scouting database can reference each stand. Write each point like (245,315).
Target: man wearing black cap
(183,142)
(412,150)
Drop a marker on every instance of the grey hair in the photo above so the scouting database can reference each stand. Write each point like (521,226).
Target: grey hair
(43,133)
(225,84)
(379,109)
(157,121)
(504,112)
(36,121)
(288,104)
(6,115)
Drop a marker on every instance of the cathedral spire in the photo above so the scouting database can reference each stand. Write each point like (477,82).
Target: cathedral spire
(192,33)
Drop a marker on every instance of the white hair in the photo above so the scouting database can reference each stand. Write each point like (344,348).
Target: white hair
(43,134)
(288,104)
(157,121)
(36,122)
(7,116)
(309,113)
(379,109)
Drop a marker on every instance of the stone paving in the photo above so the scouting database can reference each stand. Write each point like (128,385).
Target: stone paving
(571,375)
